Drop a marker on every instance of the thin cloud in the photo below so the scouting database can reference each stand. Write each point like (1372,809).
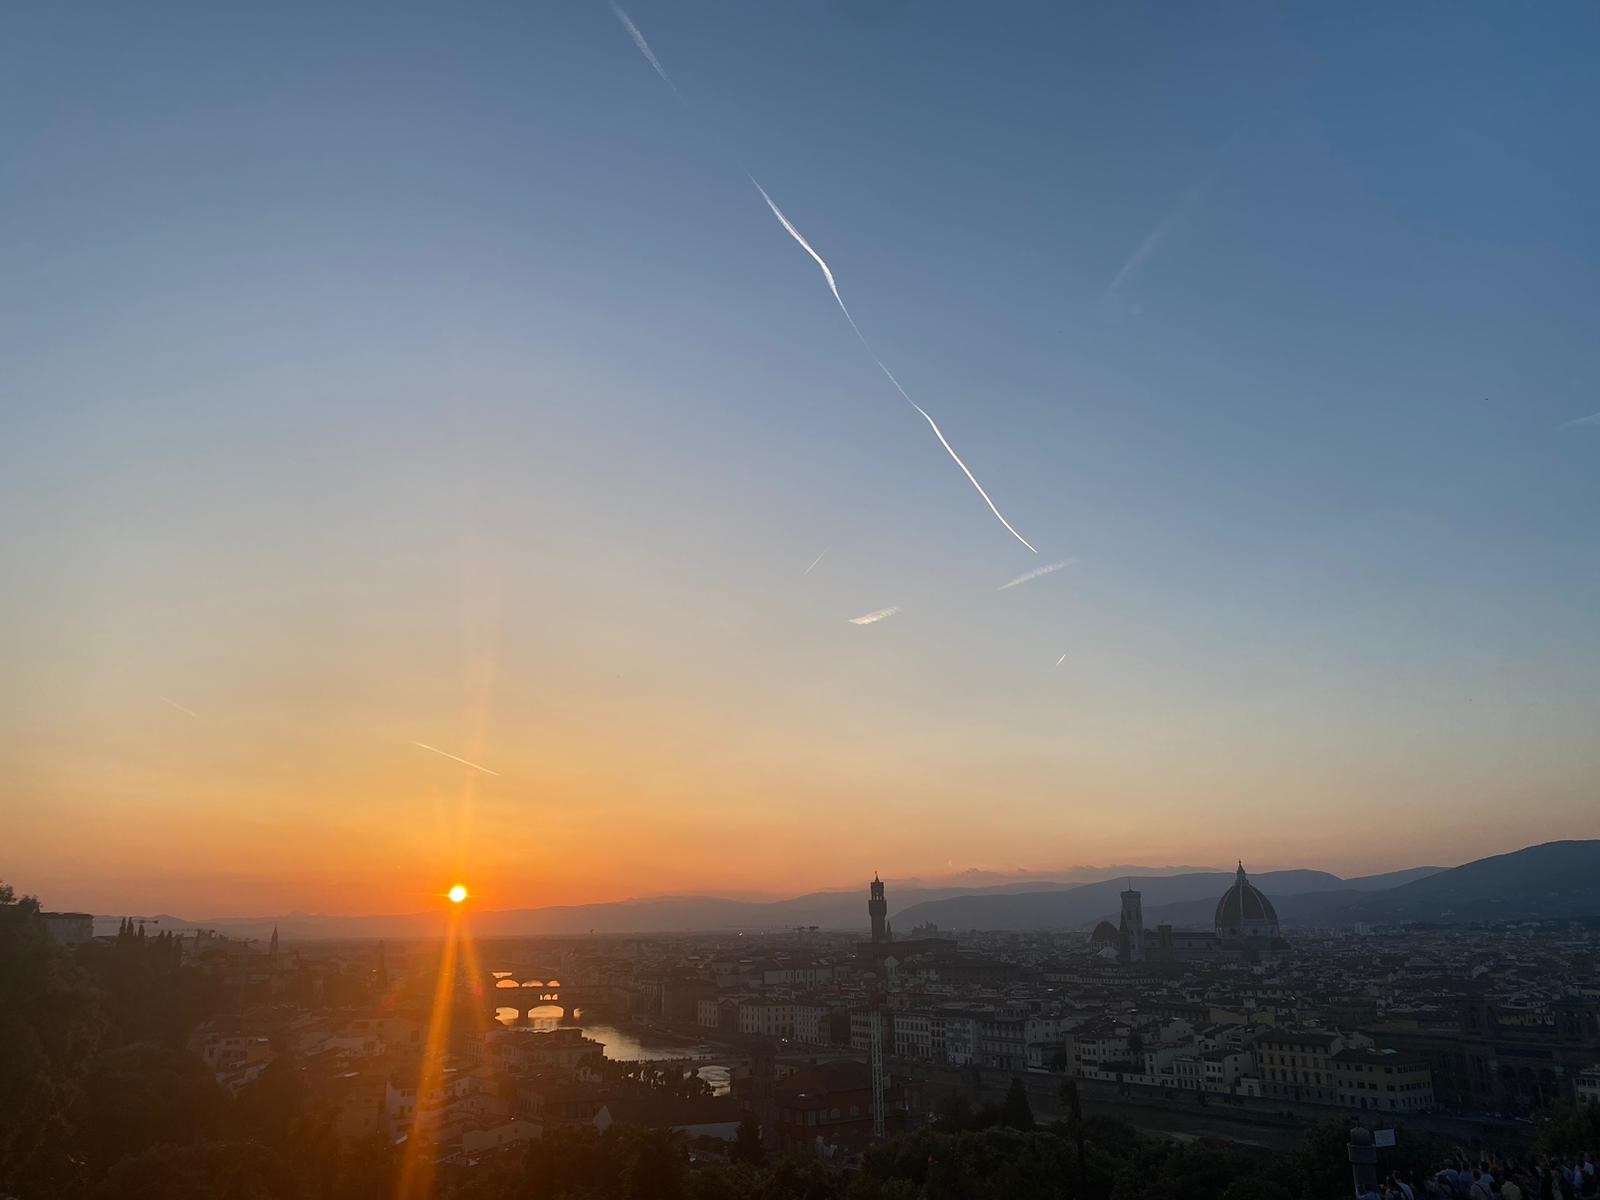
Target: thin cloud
(644,48)
(191,712)
(1038,571)
(466,762)
(1591,420)
(1158,237)
(827,272)
(813,565)
(872,618)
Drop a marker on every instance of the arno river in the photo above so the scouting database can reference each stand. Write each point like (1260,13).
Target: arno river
(623,1045)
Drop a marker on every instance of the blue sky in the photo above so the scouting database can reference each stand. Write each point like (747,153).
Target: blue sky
(401,373)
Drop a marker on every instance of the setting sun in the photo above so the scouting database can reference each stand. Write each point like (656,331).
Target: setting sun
(457,894)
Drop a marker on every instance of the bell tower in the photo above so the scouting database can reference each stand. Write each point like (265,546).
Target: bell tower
(878,910)
(1132,931)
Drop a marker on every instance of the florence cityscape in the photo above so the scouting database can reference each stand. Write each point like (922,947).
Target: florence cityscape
(839,600)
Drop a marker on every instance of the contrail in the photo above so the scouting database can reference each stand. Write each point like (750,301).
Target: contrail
(1061,660)
(1157,237)
(827,273)
(1034,574)
(1591,419)
(814,562)
(644,48)
(464,762)
(872,618)
(180,707)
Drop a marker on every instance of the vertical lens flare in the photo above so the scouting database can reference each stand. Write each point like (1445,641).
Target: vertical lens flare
(415,1180)
(458,993)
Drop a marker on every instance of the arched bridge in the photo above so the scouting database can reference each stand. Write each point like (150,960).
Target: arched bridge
(526,991)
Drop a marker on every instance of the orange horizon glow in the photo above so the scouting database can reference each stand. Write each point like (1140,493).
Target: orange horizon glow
(684,780)
(568,864)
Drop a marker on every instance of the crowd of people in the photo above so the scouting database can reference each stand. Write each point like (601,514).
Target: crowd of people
(1551,1177)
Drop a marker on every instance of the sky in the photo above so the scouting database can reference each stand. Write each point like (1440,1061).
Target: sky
(389,374)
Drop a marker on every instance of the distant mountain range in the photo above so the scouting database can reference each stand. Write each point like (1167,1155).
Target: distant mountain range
(1554,880)
(1557,879)
(975,877)
(1295,909)
(1180,900)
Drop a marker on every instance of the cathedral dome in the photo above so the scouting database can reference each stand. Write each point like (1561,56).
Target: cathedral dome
(1244,912)
(1104,933)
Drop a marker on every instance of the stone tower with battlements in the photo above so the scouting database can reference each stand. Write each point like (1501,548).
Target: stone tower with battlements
(878,910)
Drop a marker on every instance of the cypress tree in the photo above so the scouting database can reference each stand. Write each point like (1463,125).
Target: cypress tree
(1016,1112)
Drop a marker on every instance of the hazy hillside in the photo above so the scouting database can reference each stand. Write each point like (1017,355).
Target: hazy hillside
(1075,907)
(1300,908)
(1391,879)
(979,879)
(1556,879)
(1179,900)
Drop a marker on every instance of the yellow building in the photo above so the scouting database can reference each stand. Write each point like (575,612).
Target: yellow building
(1298,1065)
(1383,1080)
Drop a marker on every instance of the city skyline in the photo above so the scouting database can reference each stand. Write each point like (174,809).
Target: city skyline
(430,461)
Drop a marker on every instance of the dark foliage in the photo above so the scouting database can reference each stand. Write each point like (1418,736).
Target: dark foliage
(1572,1132)
(1016,1112)
(747,1147)
(139,1096)
(51,1021)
